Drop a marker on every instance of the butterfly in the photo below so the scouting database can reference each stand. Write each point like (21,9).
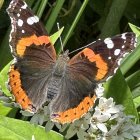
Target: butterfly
(38,75)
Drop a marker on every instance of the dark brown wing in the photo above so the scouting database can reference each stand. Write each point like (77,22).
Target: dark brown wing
(100,60)
(76,96)
(34,54)
(92,65)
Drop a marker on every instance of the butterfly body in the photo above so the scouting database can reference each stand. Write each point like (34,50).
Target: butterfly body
(69,84)
(58,73)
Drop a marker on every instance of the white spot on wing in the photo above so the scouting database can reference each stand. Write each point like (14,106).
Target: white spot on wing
(32,20)
(125,54)
(109,43)
(108,78)
(10,5)
(135,44)
(23,31)
(123,36)
(109,57)
(117,52)
(115,70)
(123,46)
(18,15)
(29,21)
(119,61)
(14,60)
(20,22)
(13,24)
(24,6)
(12,30)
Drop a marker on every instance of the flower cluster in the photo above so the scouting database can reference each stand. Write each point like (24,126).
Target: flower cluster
(108,122)
(111,122)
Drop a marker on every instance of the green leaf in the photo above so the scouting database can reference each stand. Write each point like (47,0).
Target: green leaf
(134,83)
(5,54)
(56,35)
(41,8)
(36,6)
(135,29)
(137,102)
(12,129)
(4,110)
(77,18)
(118,89)
(4,79)
(54,14)
(1,3)
(113,18)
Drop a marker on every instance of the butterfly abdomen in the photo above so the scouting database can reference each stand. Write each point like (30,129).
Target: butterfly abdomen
(53,87)
(58,73)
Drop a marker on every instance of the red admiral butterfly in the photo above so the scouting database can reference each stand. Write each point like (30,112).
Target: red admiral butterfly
(38,75)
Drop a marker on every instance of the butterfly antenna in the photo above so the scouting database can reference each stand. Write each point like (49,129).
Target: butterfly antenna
(62,47)
(82,47)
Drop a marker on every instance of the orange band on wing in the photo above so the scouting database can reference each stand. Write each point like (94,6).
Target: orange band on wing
(18,92)
(100,63)
(75,113)
(28,41)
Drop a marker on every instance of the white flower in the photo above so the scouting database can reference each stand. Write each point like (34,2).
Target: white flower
(97,121)
(108,108)
(99,90)
(99,117)
(124,129)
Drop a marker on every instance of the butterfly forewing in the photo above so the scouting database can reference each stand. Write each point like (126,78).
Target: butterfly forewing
(34,54)
(101,59)
(27,30)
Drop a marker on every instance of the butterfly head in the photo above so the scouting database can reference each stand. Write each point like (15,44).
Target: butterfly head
(61,63)
(64,56)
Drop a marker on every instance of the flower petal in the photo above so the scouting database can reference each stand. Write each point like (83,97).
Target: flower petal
(102,127)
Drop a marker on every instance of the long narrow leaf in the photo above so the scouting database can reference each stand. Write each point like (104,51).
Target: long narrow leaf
(118,89)
(75,21)
(41,8)
(113,18)
(54,14)
(1,3)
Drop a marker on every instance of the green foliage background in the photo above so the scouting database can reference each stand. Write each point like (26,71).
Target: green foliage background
(84,21)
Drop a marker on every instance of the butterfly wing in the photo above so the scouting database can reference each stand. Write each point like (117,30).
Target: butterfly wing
(94,64)
(101,59)
(76,96)
(34,56)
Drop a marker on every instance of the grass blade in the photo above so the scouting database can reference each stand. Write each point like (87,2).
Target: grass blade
(41,8)
(75,22)
(54,15)
(113,18)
